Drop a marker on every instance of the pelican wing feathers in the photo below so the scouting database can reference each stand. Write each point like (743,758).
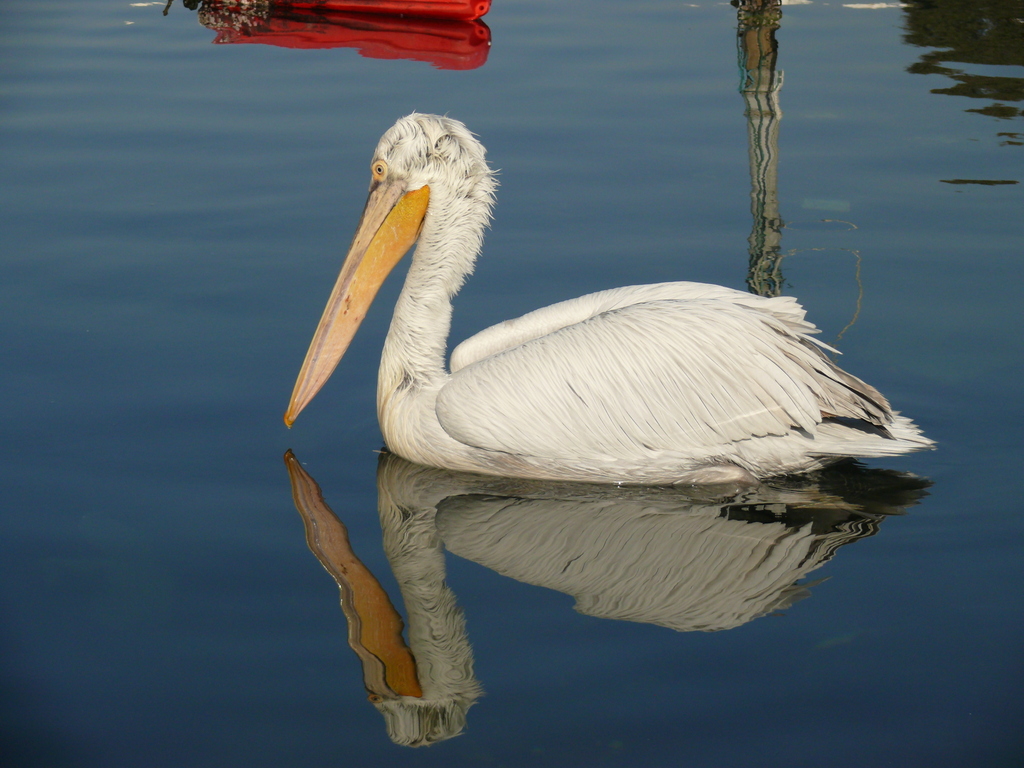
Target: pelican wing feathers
(545,320)
(678,375)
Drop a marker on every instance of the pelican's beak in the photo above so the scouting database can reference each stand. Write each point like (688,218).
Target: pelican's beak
(389,226)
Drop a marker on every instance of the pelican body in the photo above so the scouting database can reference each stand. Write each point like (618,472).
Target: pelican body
(651,384)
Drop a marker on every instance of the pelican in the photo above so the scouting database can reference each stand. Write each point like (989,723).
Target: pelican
(650,384)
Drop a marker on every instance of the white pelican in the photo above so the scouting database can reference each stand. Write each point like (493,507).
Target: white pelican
(649,384)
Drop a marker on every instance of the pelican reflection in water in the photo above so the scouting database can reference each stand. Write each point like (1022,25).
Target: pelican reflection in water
(685,557)
(650,384)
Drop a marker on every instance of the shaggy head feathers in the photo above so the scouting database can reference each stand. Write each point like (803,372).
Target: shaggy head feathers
(441,153)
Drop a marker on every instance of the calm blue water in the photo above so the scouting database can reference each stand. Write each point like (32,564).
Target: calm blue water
(173,214)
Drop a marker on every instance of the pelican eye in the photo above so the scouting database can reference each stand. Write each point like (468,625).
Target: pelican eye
(379,170)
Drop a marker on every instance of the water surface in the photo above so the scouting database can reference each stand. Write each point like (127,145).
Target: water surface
(174,212)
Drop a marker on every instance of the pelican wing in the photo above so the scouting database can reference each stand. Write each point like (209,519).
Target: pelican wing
(541,322)
(672,375)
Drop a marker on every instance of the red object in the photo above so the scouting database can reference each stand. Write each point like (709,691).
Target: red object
(445,44)
(461,10)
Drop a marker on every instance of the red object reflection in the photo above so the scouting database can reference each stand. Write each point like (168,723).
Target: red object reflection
(446,44)
(462,10)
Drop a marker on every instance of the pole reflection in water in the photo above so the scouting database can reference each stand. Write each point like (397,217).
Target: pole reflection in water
(760,83)
(689,558)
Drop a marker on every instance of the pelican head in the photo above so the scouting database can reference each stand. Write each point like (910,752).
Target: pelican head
(429,176)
